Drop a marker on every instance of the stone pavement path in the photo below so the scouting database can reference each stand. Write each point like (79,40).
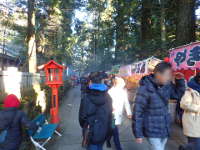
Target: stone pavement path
(71,131)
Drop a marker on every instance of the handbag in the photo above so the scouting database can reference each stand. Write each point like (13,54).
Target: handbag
(4,132)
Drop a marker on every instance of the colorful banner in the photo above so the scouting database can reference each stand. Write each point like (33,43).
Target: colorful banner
(186,57)
(152,63)
(125,71)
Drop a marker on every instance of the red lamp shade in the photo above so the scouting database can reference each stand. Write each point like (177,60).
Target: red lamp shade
(54,73)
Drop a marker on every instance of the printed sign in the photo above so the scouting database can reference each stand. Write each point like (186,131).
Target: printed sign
(186,57)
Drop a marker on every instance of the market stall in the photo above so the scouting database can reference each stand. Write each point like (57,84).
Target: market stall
(140,69)
(186,59)
(134,72)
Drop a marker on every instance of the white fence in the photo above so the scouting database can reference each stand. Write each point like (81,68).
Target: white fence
(12,80)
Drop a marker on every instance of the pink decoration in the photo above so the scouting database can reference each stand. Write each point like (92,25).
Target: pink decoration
(186,57)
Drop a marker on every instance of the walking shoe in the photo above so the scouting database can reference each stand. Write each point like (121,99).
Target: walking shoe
(108,144)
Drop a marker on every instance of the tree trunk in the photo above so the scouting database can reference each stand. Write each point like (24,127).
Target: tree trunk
(32,54)
(162,24)
(31,37)
(146,23)
(185,27)
(120,32)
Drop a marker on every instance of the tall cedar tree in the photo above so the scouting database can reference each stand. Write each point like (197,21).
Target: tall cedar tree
(32,56)
(185,26)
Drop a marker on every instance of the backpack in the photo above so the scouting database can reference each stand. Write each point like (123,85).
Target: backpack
(99,129)
(4,132)
(95,120)
(100,126)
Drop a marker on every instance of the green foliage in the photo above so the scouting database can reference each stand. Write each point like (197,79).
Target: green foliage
(117,31)
(53,30)
(48,96)
(54,38)
(2,96)
(28,102)
(62,92)
(123,31)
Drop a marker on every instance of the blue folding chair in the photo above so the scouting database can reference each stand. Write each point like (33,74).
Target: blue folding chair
(44,133)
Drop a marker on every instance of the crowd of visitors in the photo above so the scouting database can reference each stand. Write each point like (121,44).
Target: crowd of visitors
(104,99)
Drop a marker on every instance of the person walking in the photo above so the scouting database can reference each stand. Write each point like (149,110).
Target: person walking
(190,103)
(151,118)
(84,85)
(95,114)
(12,119)
(120,101)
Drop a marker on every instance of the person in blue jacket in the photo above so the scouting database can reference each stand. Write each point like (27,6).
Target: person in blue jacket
(151,118)
(95,112)
(13,119)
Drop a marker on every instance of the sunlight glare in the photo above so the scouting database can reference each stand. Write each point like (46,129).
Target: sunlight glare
(12,81)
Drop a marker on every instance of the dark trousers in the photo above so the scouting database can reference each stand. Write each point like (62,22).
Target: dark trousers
(6,146)
(115,134)
(95,147)
(193,144)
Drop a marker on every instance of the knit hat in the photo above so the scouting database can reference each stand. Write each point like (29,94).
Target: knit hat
(11,101)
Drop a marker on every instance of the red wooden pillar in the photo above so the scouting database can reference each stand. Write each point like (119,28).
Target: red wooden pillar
(55,118)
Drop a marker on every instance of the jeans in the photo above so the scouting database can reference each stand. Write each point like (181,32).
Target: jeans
(193,144)
(116,138)
(115,135)
(95,147)
(157,143)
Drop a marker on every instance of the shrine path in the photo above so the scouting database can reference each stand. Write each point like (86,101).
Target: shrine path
(71,131)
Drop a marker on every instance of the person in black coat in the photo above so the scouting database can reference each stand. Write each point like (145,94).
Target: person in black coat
(12,119)
(151,118)
(95,112)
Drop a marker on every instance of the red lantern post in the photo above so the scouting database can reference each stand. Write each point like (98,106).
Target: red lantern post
(54,79)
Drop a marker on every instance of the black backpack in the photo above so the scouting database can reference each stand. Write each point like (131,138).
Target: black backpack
(99,123)
(99,127)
